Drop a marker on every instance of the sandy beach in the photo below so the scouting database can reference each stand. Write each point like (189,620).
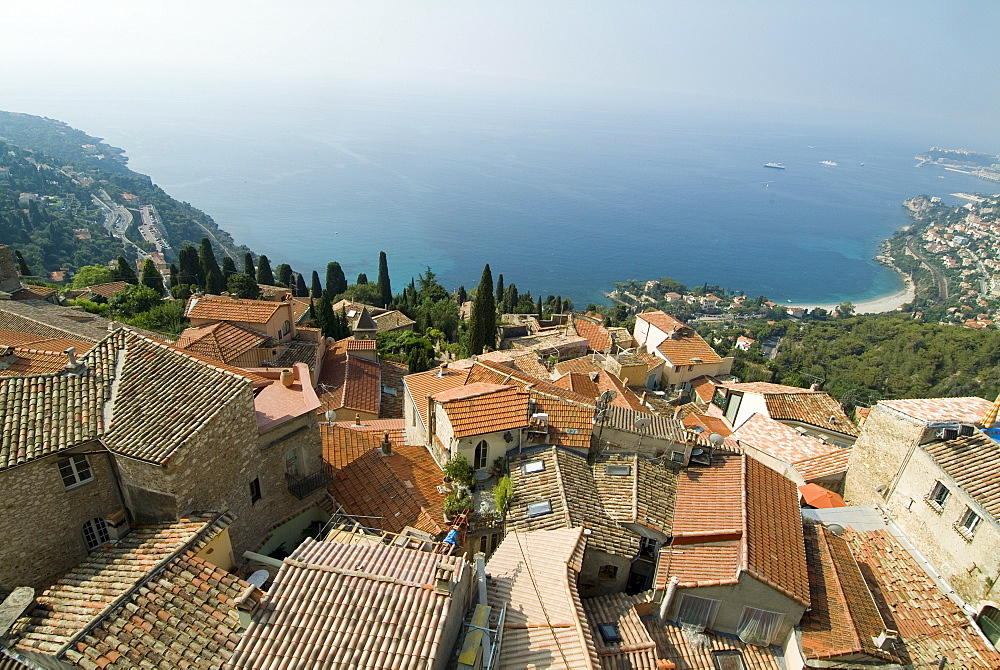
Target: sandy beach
(887,303)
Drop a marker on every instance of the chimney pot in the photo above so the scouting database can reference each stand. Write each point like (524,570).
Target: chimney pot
(386,444)
(357,418)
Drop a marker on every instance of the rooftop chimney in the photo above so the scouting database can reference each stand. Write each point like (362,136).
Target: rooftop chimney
(73,366)
(443,370)
(287,377)
(386,445)
(357,418)
(814,387)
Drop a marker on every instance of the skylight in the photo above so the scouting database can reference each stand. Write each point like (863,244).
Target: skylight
(532,466)
(539,508)
(609,632)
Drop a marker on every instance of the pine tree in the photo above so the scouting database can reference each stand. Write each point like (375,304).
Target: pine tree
(317,288)
(264,274)
(150,276)
(362,279)
(385,290)
(22,267)
(284,273)
(336,282)
(482,332)
(123,271)
(301,290)
(211,274)
(228,268)
(499,294)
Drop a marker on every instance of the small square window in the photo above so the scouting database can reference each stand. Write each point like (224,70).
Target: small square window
(677,456)
(969,523)
(255,490)
(532,466)
(938,495)
(75,470)
(607,572)
(539,508)
(609,633)
(618,470)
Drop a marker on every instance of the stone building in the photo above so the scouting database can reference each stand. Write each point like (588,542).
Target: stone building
(685,354)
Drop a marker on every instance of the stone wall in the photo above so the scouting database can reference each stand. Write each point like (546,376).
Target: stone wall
(969,564)
(41,522)
(886,439)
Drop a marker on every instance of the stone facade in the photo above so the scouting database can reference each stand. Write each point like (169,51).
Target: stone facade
(886,439)
(41,521)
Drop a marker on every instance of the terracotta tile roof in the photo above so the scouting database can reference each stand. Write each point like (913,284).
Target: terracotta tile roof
(568,484)
(644,496)
(106,290)
(393,320)
(88,594)
(704,387)
(706,424)
(362,606)
(21,361)
(222,341)
(597,335)
(766,387)
(636,650)
(745,517)
(964,410)
(584,364)
(580,382)
(477,409)
(40,343)
(781,441)
(686,348)
(222,308)
(493,373)
(343,445)
(843,618)
(534,575)
(704,651)
(570,424)
(815,408)
(652,361)
(422,384)
(972,462)
(48,320)
(930,625)
(829,464)
(349,382)
(348,306)
(360,345)
(661,320)
(660,425)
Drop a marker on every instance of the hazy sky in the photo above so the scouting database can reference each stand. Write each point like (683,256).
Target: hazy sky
(934,61)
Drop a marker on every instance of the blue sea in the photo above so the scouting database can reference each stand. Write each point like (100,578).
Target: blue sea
(561,197)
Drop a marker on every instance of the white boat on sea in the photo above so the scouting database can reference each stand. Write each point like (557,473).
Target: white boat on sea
(776,166)
(830,163)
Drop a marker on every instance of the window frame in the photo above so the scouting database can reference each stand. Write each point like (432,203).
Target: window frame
(711,604)
(939,500)
(607,572)
(73,463)
(96,528)
(255,492)
(969,523)
(532,467)
(481,460)
(541,508)
(777,619)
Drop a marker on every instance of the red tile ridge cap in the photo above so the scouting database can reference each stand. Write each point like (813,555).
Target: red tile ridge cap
(744,557)
(707,582)
(703,536)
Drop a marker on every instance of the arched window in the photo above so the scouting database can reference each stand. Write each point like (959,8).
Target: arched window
(95,533)
(482,451)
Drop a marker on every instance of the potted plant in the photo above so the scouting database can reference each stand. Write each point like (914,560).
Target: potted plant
(459,470)
(499,467)
(458,500)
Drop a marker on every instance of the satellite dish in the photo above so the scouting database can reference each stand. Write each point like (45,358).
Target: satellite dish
(330,415)
(716,439)
(605,398)
(642,422)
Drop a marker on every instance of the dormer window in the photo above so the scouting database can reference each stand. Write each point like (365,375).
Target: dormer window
(618,470)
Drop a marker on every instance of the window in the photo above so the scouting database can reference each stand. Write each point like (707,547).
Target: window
(482,452)
(539,508)
(677,368)
(95,533)
(607,572)
(648,547)
(728,659)
(690,368)
(618,470)
(733,405)
(482,543)
(969,523)
(759,626)
(697,612)
(255,490)
(532,466)
(292,462)
(75,470)
(609,633)
(286,328)
(677,456)
(938,496)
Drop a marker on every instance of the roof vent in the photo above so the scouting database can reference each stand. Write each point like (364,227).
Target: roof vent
(885,639)
(386,445)
(74,366)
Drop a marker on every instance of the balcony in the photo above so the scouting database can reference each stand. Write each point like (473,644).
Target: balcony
(301,487)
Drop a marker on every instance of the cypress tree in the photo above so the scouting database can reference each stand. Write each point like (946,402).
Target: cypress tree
(285,274)
(190,272)
(499,294)
(336,282)
(123,271)
(248,265)
(228,268)
(343,325)
(559,305)
(174,278)
(317,288)
(362,279)
(22,267)
(210,271)
(512,298)
(301,290)
(327,319)
(461,295)
(482,332)
(385,290)
(539,309)
(150,277)
(264,274)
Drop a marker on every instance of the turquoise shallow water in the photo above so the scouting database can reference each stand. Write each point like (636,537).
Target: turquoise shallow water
(560,199)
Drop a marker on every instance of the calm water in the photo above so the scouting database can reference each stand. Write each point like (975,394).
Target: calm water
(561,200)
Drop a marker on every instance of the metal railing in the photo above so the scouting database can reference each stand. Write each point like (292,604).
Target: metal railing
(301,487)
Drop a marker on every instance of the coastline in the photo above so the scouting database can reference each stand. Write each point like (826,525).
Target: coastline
(887,303)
